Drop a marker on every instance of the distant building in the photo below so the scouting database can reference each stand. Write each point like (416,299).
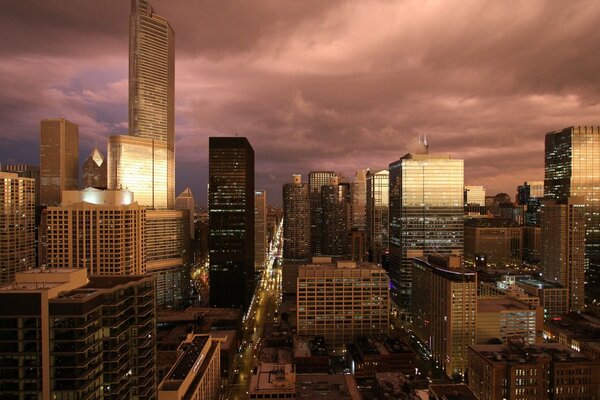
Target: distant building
(378,202)
(444,308)
(336,203)
(532,244)
(530,190)
(310,355)
(26,171)
(260,229)
(554,298)
(196,373)
(17,232)
(95,171)
(368,356)
(474,195)
(358,245)
(186,201)
(342,300)
(59,159)
(516,371)
(231,221)
(359,199)
(504,318)
(77,337)
(296,220)
(316,180)
(580,332)
(498,240)
(336,387)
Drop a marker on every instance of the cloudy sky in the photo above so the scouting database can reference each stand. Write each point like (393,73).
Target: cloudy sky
(336,85)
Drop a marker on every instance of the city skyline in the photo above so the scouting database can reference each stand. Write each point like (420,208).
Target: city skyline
(309,83)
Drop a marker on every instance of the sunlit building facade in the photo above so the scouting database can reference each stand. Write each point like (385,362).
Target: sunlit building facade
(152,92)
(17,225)
(426,215)
(26,171)
(377,214)
(296,220)
(59,159)
(474,195)
(95,170)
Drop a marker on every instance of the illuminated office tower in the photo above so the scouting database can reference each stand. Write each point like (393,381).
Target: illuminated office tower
(186,201)
(231,221)
(26,171)
(17,225)
(563,254)
(426,215)
(260,229)
(336,204)
(67,335)
(444,309)
(140,165)
(99,230)
(95,170)
(296,220)
(168,255)
(359,199)
(316,180)
(378,202)
(152,91)
(59,159)
(474,195)
(572,169)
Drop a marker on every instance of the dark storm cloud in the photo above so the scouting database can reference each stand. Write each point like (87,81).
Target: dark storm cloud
(338,85)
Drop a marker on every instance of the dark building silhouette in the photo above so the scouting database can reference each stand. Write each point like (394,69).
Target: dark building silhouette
(336,208)
(231,221)
(316,180)
(94,170)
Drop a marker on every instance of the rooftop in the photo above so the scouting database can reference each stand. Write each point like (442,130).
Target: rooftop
(491,223)
(515,353)
(500,304)
(332,387)
(271,377)
(451,392)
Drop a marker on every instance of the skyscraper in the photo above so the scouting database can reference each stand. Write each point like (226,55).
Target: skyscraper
(26,171)
(186,201)
(474,195)
(563,249)
(316,180)
(17,225)
(572,169)
(336,204)
(378,202)
(529,190)
(359,199)
(260,229)
(426,215)
(231,221)
(59,159)
(296,220)
(94,171)
(152,91)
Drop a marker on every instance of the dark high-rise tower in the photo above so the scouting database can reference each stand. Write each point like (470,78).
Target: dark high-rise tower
(572,169)
(378,202)
(231,221)
(296,220)
(94,170)
(316,180)
(336,208)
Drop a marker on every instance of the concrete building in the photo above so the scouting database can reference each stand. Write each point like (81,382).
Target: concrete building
(543,371)
(474,195)
(260,229)
(444,309)
(497,240)
(532,244)
(563,247)
(77,337)
(273,381)
(196,375)
(368,356)
(99,230)
(186,201)
(426,215)
(505,318)
(59,159)
(554,298)
(296,220)
(26,171)
(17,225)
(95,171)
(342,300)
(378,202)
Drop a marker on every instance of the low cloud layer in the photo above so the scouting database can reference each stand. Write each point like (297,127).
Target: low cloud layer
(338,85)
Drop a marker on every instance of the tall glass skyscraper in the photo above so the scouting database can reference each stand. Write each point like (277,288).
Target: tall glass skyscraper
(316,180)
(296,220)
(378,201)
(573,170)
(231,221)
(426,215)
(152,90)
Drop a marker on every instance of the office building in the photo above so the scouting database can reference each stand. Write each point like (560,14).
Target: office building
(296,220)
(342,300)
(444,309)
(231,221)
(504,318)
(530,190)
(17,225)
(370,355)
(336,204)
(316,180)
(534,372)
(553,297)
(139,165)
(59,159)
(497,240)
(377,214)
(426,215)
(579,331)
(101,231)
(474,195)
(273,381)
(532,244)
(571,170)
(260,229)
(359,199)
(186,201)
(358,245)
(152,95)
(197,372)
(77,337)
(168,255)
(563,251)
(26,171)
(95,171)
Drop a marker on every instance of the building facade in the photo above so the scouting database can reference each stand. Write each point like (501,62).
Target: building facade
(474,195)
(505,318)
(316,180)
(498,240)
(26,171)
(336,208)
(296,220)
(359,199)
(95,171)
(231,221)
(378,202)
(260,229)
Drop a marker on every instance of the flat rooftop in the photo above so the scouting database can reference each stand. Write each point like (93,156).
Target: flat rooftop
(452,392)
(539,284)
(273,378)
(191,313)
(500,304)
(332,387)
(518,354)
